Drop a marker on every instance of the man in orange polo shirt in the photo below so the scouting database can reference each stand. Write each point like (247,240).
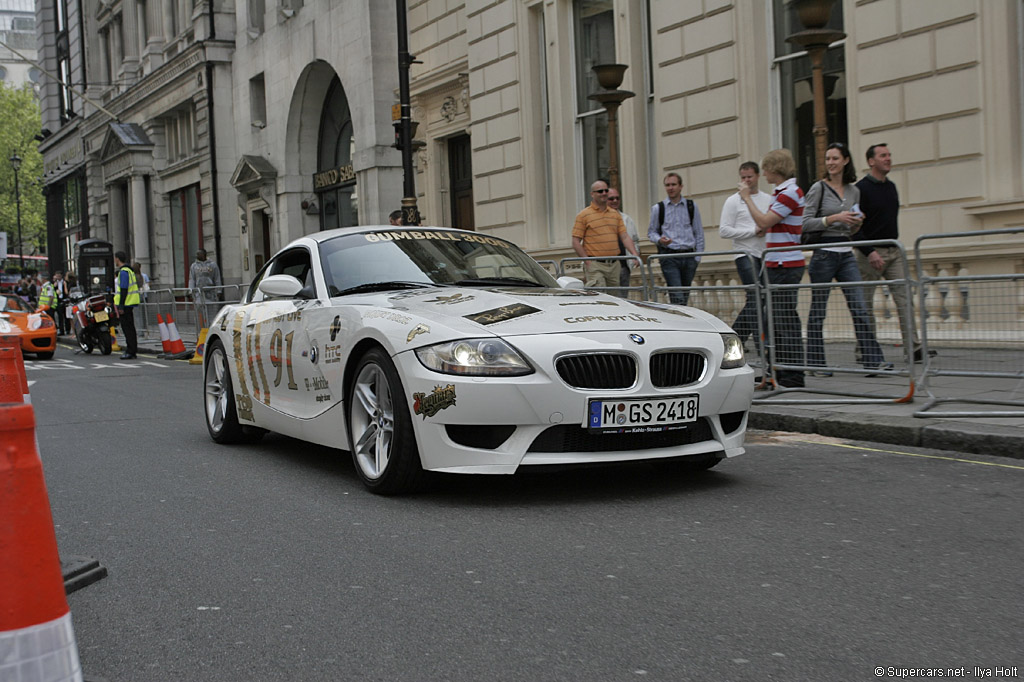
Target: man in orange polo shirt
(596,234)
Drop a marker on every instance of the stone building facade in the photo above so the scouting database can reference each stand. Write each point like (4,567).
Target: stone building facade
(716,83)
(238,126)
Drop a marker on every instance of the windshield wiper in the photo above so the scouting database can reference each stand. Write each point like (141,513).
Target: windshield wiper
(385,286)
(490,281)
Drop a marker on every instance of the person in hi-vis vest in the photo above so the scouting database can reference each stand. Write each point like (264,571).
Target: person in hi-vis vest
(126,297)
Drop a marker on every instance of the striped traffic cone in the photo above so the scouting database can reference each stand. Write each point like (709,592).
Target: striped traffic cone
(13,380)
(37,641)
(175,344)
(165,338)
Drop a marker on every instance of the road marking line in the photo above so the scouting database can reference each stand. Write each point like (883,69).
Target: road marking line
(912,454)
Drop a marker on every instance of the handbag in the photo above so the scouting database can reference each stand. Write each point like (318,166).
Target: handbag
(810,238)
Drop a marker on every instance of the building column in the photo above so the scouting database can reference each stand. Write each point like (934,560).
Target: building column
(140,220)
(116,232)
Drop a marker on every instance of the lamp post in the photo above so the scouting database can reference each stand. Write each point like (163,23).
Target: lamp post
(815,38)
(410,213)
(16,165)
(609,76)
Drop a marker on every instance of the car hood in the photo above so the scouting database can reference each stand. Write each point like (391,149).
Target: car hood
(512,311)
(12,322)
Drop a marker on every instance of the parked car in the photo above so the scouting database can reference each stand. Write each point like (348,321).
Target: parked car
(37,331)
(437,349)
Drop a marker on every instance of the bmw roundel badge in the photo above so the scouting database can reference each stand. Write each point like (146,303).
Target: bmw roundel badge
(637,339)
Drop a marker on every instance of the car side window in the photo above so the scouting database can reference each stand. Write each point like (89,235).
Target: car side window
(295,262)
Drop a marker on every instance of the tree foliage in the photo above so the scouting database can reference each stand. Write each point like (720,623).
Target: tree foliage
(20,122)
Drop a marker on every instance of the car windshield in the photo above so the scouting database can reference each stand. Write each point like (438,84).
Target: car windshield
(15,304)
(429,257)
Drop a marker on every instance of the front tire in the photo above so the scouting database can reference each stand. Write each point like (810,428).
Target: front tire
(219,397)
(380,430)
(84,342)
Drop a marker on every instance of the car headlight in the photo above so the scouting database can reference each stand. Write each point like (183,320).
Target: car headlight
(474,357)
(733,356)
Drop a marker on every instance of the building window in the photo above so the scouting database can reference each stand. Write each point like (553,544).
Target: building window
(258,102)
(594,32)
(796,94)
(67,102)
(186,230)
(257,9)
(180,130)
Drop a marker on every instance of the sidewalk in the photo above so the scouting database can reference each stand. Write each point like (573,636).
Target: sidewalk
(894,423)
(887,422)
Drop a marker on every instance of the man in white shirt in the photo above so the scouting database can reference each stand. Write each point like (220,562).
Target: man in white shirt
(738,225)
(615,201)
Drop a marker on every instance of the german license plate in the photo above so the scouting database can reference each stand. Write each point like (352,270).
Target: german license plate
(101,316)
(647,414)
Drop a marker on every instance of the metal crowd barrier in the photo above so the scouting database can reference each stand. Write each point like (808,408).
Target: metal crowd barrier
(972,325)
(841,340)
(191,309)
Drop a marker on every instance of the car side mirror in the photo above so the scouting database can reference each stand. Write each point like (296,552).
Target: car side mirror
(570,282)
(280,286)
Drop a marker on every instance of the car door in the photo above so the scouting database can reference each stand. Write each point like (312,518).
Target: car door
(282,365)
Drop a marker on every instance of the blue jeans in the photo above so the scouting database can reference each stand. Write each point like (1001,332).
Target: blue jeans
(842,267)
(745,325)
(788,331)
(679,272)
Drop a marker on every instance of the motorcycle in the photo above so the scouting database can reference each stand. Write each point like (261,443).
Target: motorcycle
(92,317)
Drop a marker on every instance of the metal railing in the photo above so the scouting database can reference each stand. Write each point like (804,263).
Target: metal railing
(972,325)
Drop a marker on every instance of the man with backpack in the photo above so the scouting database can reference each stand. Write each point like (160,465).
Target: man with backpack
(675,227)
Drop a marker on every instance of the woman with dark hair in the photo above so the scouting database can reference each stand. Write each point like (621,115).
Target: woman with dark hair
(832,216)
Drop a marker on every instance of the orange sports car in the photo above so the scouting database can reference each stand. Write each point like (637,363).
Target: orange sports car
(37,331)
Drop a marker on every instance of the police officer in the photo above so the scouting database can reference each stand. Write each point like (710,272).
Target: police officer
(126,297)
(48,300)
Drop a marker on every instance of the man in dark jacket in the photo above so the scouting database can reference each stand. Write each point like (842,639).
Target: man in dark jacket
(880,204)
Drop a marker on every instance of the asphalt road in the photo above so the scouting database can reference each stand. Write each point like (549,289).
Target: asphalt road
(805,559)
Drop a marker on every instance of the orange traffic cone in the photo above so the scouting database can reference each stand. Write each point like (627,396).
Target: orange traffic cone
(176,345)
(36,637)
(13,380)
(165,338)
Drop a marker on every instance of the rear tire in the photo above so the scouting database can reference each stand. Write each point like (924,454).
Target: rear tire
(380,431)
(105,343)
(219,397)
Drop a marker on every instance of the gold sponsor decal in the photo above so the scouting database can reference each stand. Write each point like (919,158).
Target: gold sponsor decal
(387,315)
(450,300)
(430,404)
(505,312)
(416,331)
(243,403)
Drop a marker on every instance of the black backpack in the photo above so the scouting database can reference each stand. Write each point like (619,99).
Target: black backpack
(661,218)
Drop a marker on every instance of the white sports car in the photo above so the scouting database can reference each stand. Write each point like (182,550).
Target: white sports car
(435,349)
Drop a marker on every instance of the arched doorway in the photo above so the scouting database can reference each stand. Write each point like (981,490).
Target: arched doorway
(335,179)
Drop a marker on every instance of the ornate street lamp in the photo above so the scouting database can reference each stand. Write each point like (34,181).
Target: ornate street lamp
(410,213)
(815,38)
(609,76)
(16,165)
